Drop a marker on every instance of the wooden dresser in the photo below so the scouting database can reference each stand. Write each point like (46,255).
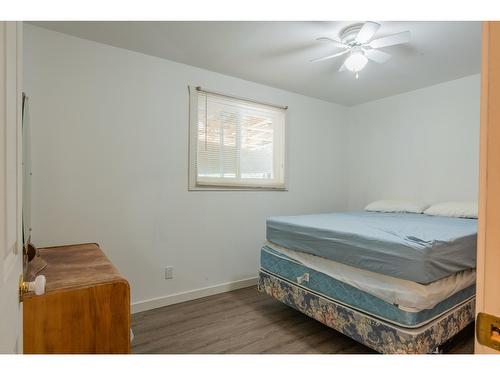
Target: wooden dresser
(86,306)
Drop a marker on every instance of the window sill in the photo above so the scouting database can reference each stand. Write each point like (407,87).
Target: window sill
(235,188)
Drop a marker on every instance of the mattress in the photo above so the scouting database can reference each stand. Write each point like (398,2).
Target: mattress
(276,262)
(414,247)
(407,295)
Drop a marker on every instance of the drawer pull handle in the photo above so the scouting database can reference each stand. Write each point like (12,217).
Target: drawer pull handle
(37,286)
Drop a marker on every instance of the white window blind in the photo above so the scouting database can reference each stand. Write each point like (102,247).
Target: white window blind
(238,143)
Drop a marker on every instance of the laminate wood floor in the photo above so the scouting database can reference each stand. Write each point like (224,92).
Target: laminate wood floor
(246,321)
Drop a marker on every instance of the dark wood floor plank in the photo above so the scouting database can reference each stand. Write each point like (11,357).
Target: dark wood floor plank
(186,325)
(246,321)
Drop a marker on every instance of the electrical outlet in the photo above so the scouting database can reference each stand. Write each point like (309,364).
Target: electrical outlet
(169,273)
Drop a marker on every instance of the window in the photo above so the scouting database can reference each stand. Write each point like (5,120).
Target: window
(235,143)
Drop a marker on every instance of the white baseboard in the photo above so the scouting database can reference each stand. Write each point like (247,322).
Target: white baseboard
(172,299)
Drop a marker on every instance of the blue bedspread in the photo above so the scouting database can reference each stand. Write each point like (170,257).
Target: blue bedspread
(415,247)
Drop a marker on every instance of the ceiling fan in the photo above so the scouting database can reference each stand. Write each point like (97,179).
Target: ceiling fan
(357,41)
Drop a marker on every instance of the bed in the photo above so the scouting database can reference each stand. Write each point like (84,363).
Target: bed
(396,282)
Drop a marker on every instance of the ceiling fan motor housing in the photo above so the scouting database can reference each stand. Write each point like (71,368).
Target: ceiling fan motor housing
(348,34)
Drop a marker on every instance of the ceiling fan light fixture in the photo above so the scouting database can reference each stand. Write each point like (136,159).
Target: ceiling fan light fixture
(356,61)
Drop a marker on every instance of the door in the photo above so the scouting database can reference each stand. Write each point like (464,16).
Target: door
(488,255)
(10,186)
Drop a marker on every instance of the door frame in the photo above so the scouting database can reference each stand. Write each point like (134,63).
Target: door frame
(488,239)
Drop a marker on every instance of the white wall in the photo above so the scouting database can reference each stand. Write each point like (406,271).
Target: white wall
(419,145)
(110,162)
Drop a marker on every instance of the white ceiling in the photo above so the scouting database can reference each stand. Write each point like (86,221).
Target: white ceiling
(278,53)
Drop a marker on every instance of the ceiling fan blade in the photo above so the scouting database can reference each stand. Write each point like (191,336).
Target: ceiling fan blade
(343,67)
(367,32)
(391,40)
(377,56)
(335,42)
(329,56)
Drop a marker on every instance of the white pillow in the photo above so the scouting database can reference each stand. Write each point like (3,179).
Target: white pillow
(453,209)
(397,206)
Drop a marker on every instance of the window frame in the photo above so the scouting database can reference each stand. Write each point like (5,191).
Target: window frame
(193,184)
